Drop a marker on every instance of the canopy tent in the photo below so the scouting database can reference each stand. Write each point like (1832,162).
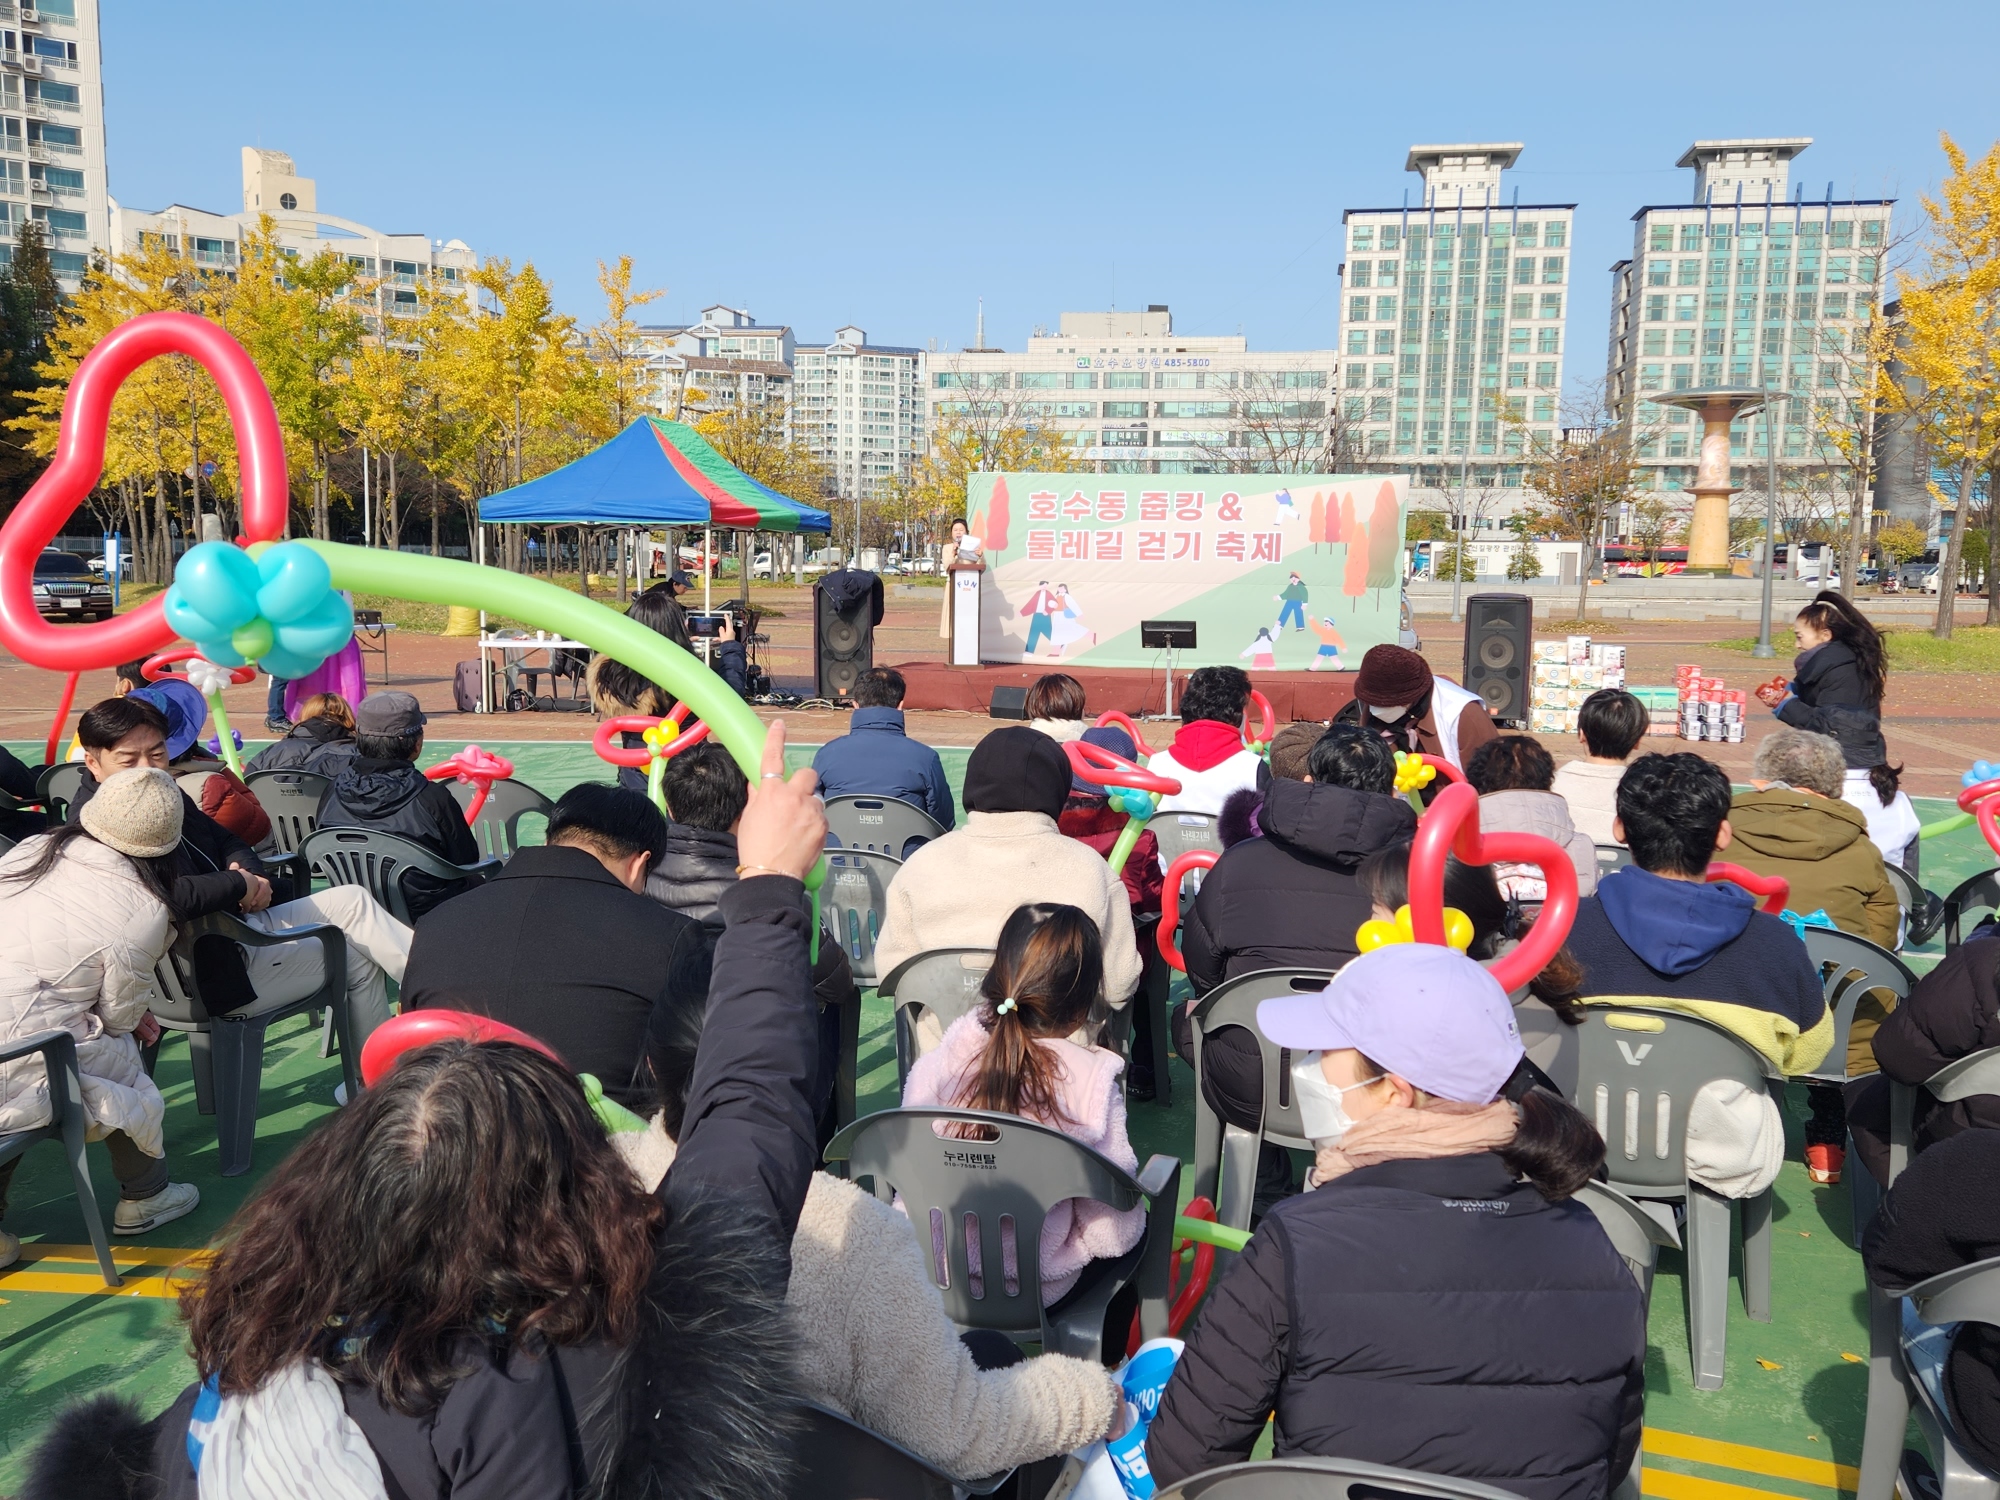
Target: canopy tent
(654,473)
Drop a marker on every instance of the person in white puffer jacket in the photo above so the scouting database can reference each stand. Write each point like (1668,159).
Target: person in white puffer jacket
(83,922)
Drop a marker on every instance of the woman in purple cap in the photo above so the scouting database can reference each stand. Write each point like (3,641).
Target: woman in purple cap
(1434,1301)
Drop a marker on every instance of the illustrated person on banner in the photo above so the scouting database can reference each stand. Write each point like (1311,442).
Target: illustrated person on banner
(1263,652)
(1040,612)
(1294,599)
(1327,658)
(1067,626)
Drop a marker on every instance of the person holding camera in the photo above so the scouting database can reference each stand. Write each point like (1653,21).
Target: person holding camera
(616,690)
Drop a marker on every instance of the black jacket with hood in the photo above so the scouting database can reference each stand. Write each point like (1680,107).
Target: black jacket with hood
(319,745)
(203,881)
(699,1406)
(1290,899)
(1437,1315)
(392,796)
(1828,698)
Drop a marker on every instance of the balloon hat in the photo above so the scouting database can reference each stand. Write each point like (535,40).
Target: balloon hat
(475,768)
(664,739)
(1131,789)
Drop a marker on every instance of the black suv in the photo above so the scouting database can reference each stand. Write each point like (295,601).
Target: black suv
(66,589)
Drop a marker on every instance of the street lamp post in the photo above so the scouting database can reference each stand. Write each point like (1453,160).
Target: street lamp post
(1458,544)
(1762,650)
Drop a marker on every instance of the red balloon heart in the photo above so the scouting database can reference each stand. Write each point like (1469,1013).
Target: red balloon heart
(1105,767)
(419,1028)
(79,461)
(1983,802)
(1170,902)
(1124,721)
(1451,826)
(1775,889)
(1269,728)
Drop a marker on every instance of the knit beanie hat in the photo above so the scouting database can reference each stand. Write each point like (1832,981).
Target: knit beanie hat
(1109,737)
(136,812)
(1391,676)
(1017,769)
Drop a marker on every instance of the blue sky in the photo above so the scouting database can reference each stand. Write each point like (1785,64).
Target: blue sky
(890,164)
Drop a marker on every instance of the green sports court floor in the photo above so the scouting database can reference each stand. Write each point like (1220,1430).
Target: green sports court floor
(1787,1421)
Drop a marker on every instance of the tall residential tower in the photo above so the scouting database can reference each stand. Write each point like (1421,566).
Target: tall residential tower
(52,130)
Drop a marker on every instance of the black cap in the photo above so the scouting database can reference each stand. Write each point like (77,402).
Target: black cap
(1017,769)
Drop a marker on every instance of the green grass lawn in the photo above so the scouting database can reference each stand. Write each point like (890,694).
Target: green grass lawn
(1972,648)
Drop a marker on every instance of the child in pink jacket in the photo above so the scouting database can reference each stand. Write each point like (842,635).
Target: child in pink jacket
(1016,1055)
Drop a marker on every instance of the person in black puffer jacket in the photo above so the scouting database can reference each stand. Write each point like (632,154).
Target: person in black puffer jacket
(382,790)
(1838,680)
(322,741)
(1440,1303)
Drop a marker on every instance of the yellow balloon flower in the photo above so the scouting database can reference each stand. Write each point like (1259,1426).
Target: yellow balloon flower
(1413,773)
(1376,933)
(661,735)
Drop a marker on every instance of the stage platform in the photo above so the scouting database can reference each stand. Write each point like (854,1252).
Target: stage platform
(1132,690)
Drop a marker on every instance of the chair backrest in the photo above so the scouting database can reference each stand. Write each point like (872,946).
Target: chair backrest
(1962,1078)
(839,1459)
(290,799)
(979,1204)
(855,902)
(1964,1294)
(1849,968)
(497,829)
(1980,893)
(1179,832)
(1638,1070)
(1234,1003)
(943,981)
(1612,857)
(377,863)
(5,843)
(882,825)
(1301,1478)
(1636,1235)
(1910,894)
(57,787)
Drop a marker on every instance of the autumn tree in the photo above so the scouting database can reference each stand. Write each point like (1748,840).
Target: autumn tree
(1941,359)
(1580,480)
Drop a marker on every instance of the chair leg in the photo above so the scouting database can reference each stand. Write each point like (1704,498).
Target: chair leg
(1888,1400)
(1238,1188)
(1159,1006)
(341,1019)
(327,1040)
(73,1126)
(1757,1256)
(846,1081)
(1207,1147)
(239,1068)
(1863,1191)
(201,1061)
(906,1049)
(1707,1240)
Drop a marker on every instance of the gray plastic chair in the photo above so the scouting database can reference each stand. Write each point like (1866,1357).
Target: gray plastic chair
(290,799)
(1325,1479)
(1980,893)
(67,1123)
(963,1192)
(854,902)
(1156,993)
(5,843)
(1225,1155)
(943,981)
(1612,857)
(226,1050)
(1963,1078)
(498,826)
(839,1459)
(1969,1294)
(1178,832)
(1923,911)
(883,825)
(1638,1070)
(1635,1233)
(57,787)
(377,862)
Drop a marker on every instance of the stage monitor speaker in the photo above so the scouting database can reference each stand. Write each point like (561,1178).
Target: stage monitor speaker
(843,645)
(1498,628)
(1008,703)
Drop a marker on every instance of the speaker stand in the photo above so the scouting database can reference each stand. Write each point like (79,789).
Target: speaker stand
(1152,718)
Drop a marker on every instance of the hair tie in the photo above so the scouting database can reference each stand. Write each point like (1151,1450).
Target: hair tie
(1010,1003)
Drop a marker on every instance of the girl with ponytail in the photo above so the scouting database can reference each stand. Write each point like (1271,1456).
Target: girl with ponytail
(1025,1051)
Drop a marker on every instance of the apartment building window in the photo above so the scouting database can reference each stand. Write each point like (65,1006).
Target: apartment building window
(1357,376)
(1683,377)
(1660,237)
(1690,236)
(1124,380)
(1524,235)
(1080,380)
(1552,305)
(1523,305)
(1517,375)
(1036,380)
(1686,306)
(1548,341)
(1552,269)
(62,54)
(1524,270)
(1649,377)
(1357,309)
(66,140)
(1385,341)
(1359,272)
(1659,272)
(1364,237)
(1357,341)
(57,179)
(1385,309)
(1123,410)
(62,96)
(1545,374)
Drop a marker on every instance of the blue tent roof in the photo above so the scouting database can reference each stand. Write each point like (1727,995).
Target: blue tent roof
(654,473)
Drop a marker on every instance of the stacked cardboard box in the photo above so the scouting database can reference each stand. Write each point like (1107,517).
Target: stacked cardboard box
(1709,708)
(1565,673)
(1663,709)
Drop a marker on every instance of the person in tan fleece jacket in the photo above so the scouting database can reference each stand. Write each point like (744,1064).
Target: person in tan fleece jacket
(959,890)
(873,1337)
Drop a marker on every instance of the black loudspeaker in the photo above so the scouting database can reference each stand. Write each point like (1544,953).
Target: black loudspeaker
(1498,628)
(843,644)
(1008,703)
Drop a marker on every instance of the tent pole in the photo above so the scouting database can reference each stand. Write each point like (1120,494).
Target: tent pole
(707,568)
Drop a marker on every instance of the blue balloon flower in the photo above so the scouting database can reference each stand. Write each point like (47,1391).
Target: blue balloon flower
(279,610)
(1982,770)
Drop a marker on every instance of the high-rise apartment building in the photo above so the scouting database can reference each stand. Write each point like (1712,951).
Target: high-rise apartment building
(394,266)
(727,359)
(1126,390)
(1748,284)
(52,130)
(1453,329)
(860,408)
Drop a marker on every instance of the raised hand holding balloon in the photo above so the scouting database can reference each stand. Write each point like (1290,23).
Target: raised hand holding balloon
(1128,786)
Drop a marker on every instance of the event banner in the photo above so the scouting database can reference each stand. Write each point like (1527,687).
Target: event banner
(1286,572)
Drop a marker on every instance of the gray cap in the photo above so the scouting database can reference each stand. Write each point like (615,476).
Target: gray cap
(388,716)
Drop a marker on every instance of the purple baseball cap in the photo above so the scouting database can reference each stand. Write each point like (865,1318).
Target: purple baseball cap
(1426,1013)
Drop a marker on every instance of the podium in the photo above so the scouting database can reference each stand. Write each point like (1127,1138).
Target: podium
(963,580)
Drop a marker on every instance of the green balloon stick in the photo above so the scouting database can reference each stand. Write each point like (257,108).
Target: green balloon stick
(1128,836)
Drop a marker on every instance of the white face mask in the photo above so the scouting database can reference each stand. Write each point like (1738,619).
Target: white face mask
(1388,714)
(1322,1110)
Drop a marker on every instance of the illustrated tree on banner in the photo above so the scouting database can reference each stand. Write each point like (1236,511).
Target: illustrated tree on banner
(1317,524)
(1382,537)
(1354,581)
(990,525)
(1334,533)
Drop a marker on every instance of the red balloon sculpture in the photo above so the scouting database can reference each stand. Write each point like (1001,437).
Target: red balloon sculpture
(1170,902)
(1451,826)
(1982,800)
(419,1028)
(1262,741)
(79,460)
(1775,890)
(478,769)
(1124,721)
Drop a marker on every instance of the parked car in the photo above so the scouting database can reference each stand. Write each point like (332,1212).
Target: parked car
(1406,629)
(66,589)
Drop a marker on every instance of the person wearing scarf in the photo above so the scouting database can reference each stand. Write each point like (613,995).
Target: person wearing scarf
(1437,1300)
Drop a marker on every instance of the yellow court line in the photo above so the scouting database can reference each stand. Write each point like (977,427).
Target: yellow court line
(145,1255)
(139,1282)
(1819,1471)
(1670,1486)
